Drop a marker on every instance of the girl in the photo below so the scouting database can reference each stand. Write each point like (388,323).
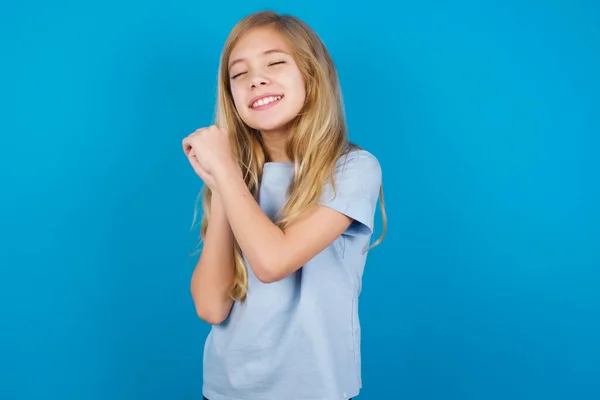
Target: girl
(289,207)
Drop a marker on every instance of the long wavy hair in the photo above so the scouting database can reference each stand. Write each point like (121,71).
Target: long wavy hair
(318,135)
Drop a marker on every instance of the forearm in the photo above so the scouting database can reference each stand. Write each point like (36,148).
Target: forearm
(214,273)
(261,241)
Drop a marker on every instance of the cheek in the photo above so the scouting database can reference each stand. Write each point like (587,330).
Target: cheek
(238,98)
(299,87)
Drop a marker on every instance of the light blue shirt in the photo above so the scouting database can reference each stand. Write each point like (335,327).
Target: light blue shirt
(299,338)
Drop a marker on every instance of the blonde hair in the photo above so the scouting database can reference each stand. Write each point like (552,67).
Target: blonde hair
(317,139)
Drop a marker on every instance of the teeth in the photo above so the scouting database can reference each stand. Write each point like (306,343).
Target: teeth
(265,101)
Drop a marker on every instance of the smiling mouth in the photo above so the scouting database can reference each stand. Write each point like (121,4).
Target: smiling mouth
(266,102)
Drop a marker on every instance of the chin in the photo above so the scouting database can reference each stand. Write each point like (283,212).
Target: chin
(269,125)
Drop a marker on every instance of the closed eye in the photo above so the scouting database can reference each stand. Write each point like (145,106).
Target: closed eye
(270,64)
(236,75)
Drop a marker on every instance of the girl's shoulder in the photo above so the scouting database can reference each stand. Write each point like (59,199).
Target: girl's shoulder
(359,159)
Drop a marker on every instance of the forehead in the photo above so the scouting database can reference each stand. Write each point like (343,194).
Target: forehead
(257,41)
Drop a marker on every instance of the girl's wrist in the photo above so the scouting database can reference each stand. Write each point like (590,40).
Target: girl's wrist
(227,173)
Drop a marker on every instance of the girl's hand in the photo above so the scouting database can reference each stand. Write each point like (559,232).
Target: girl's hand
(211,148)
(207,178)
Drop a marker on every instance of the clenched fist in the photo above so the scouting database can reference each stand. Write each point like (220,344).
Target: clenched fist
(208,151)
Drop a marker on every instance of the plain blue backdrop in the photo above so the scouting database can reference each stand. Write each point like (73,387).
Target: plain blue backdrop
(484,115)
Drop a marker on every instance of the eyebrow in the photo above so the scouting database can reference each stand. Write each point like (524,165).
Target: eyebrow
(237,60)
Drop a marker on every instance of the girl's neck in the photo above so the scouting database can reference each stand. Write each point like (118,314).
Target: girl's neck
(275,143)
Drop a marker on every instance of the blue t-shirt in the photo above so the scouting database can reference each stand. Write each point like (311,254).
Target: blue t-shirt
(299,338)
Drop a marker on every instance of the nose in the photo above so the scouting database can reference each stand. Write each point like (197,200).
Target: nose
(258,80)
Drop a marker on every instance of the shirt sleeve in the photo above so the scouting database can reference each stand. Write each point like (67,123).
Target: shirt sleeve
(357,181)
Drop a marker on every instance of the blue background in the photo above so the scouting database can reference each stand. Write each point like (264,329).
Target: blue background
(484,115)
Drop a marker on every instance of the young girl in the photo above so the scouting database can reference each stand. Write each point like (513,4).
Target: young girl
(288,216)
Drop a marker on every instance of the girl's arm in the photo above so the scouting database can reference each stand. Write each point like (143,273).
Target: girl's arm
(272,253)
(213,276)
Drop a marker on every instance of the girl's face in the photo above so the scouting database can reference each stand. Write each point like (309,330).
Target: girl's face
(267,86)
